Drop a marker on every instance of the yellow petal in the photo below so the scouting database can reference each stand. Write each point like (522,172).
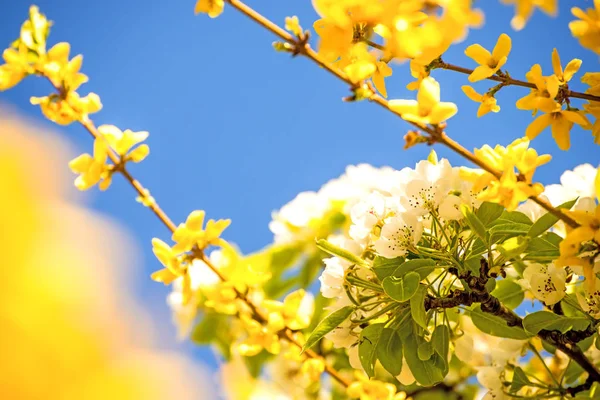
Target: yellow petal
(360,70)
(478,53)
(195,220)
(139,153)
(552,84)
(538,125)
(404,106)
(471,93)
(442,112)
(502,48)
(60,52)
(480,73)
(574,116)
(556,66)
(561,128)
(81,163)
(429,94)
(164,275)
(571,69)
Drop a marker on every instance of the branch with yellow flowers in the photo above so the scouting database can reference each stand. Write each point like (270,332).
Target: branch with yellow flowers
(297,44)
(28,56)
(502,77)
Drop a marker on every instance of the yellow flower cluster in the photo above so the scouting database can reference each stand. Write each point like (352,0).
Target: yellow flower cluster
(512,188)
(364,388)
(427,109)
(27,56)
(548,98)
(587,27)
(94,169)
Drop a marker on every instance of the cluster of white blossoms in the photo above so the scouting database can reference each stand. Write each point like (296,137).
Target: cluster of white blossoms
(394,211)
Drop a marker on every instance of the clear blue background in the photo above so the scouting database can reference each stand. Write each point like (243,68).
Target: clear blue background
(238,129)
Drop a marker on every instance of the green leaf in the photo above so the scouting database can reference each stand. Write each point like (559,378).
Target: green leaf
(384,267)
(490,285)
(513,216)
(539,320)
(489,212)
(367,347)
(509,228)
(330,322)
(548,347)
(425,351)
(425,372)
(474,222)
(422,266)
(389,351)
(338,251)
(519,380)
(496,326)
(401,289)
(509,293)
(440,339)
(206,331)
(542,249)
(417,306)
(547,220)
(572,373)
(311,268)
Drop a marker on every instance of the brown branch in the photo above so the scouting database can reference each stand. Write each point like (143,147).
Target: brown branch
(565,342)
(507,80)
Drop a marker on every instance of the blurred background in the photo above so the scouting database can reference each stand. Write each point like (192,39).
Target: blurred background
(236,129)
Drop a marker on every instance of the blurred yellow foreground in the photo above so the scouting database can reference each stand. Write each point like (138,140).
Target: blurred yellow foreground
(69,328)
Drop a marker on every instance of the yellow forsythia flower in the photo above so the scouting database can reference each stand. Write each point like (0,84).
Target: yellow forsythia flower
(489,63)
(587,28)
(191,233)
(92,170)
(168,258)
(570,70)
(427,109)
(259,337)
(35,31)
(123,141)
(55,65)
(509,190)
(561,121)
(70,109)
(488,103)
(16,68)
(334,40)
(295,312)
(213,8)
(543,96)
(524,10)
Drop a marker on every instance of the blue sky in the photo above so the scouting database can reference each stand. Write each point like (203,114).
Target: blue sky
(238,129)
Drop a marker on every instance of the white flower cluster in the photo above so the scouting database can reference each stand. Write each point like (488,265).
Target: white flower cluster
(389,210)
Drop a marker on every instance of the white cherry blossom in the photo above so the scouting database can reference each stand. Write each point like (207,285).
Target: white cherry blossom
(546,282)
(398,234)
